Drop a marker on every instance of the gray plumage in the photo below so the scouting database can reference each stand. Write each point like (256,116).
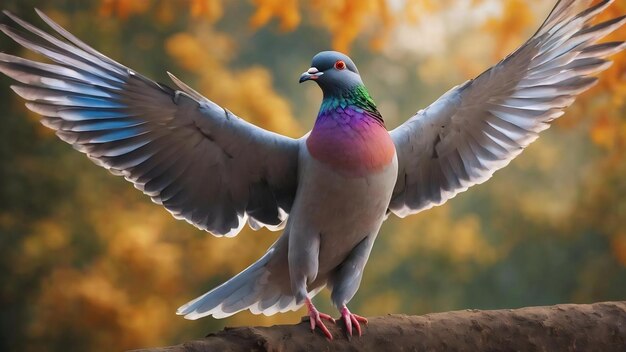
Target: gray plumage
(175,146)
(478,127)
(209,167)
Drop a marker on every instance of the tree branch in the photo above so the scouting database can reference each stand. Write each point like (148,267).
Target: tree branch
(566,327)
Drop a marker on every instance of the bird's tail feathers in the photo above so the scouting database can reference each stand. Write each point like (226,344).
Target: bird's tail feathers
(251,289)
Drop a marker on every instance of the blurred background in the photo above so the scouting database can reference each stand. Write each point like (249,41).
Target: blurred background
(89,263)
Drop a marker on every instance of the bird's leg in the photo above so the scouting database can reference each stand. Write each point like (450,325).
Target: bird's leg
(315,317)
(351,319)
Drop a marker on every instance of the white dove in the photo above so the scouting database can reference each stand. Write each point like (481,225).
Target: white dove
(331,189)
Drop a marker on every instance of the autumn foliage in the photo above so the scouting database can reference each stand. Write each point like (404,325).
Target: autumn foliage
(89,262)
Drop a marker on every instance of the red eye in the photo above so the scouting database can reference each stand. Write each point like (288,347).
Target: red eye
(340,65)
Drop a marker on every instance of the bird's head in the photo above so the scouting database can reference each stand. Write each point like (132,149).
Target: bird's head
(333,72)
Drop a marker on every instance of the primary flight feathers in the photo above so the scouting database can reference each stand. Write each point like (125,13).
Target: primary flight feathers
(478,127)
(198,160)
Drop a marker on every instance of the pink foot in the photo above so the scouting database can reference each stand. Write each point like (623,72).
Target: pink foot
(352,320)
(315,317)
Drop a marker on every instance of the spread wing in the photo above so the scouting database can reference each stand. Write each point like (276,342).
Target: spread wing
(480,126)
(198,160)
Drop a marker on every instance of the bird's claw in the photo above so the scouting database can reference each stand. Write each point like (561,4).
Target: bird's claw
(351,320)
(315,318)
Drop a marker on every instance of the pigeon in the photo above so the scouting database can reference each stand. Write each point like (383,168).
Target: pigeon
(330,190)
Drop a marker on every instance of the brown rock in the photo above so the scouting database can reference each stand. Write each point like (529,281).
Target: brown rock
(567,327)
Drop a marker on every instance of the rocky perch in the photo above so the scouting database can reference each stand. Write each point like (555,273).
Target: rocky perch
(565,327)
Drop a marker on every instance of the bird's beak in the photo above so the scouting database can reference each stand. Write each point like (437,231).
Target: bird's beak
(312,73)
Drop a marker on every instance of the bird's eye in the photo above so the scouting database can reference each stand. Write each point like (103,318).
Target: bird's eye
(340,65)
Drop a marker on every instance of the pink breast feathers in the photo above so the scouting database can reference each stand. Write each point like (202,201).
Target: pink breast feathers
(354,147)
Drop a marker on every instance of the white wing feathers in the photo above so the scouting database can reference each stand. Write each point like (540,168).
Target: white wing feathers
(480,126)
(198,160)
